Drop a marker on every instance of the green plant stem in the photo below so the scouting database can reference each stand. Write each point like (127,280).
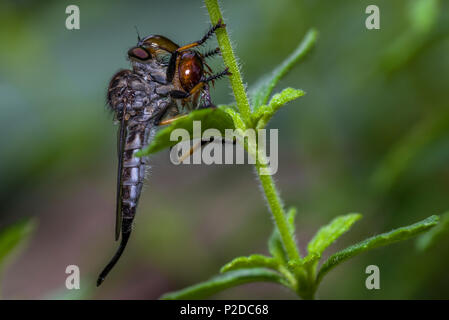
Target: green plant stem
(229,59)
(276,207)
(269,188)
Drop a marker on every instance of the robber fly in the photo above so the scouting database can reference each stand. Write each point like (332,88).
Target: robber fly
(166,81)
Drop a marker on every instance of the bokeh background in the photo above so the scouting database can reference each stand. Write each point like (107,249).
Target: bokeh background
(370,136)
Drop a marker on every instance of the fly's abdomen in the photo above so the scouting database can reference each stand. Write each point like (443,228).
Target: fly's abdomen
(133,171)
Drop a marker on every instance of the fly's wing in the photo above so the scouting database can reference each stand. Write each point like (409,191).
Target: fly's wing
(118,205)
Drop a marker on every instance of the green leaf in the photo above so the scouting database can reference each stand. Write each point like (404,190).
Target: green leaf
(236,118)
(253,261)
(291,215)
(331,232)
(306,263)
(383,239)
(217,118)
(260,112)
(275,246)
(437,234)
(225,281)
(287,95)
(265,113)
(14,235)
(262,90)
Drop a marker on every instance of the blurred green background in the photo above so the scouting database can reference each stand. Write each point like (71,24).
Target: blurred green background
(370,136)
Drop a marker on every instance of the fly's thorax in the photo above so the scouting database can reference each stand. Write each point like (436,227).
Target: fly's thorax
(116,94)
(155,72)
(128,91)
(143,99)
(151,71)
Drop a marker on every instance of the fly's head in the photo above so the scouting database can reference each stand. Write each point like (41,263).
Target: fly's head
(151,56)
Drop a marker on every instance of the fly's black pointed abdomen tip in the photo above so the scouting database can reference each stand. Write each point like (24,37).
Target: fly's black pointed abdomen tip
(115,258)
(100,280)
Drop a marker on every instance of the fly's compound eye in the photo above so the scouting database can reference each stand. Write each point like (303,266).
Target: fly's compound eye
(190,69)
(138,53)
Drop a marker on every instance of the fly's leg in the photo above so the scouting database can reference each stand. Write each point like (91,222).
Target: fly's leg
(172,63)
(165,110)
(203,143)
(170,120)
(217,76)
(207,100)
(208,34)
(212,53)
(178,94)
(208,104)
(192,150)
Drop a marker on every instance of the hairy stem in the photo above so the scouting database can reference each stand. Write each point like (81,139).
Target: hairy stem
(229,58)
(266,180)
(277,209)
